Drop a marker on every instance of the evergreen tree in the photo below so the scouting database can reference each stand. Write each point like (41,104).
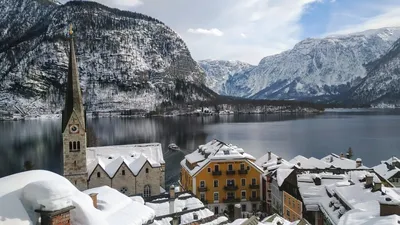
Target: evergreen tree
(28,165)
(349,154)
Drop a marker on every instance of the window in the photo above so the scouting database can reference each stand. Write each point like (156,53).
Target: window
(254,206)
(75,182)
(202,196)
(230,167)
(253,181)
(202,183)
(287,212)
(243,182)
(215,183)
(243,194)
(241,166)
(75,163)
(230,195)
(147,191)
(124,190)
(230,182)
(216,196)
(254,194)
(70,145)
(147,170)
(123,172)
(74,144)
(244,208)
(98,174)
(216,167)
(209,169)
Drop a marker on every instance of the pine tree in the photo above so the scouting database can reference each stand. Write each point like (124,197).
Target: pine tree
(349,153)
(28,165)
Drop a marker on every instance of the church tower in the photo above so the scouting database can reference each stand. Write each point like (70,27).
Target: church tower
(74,126)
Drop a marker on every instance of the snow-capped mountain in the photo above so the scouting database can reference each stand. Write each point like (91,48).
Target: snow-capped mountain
(219,71)
(126,60)
(314,68)
(382,84)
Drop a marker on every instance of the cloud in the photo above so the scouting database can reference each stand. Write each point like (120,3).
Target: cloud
(243,35)
(213,31)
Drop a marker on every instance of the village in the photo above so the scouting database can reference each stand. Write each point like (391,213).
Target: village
(219,184)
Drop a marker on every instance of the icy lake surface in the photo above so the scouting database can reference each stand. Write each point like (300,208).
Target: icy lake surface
(373,135)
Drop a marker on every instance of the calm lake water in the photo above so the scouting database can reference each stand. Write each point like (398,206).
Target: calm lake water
(373,136)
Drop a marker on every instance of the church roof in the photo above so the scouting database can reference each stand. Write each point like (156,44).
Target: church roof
(110,158)
(73,95)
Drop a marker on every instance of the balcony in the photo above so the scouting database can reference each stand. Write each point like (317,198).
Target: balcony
(231,200)
(217,173)
(254,186)
(230,172)
(242,171)
(202,189)
(254,199)
(231,188)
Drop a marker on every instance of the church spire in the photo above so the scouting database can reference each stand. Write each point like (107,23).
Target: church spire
(73,96)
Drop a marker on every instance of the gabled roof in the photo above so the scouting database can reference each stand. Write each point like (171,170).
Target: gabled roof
(341,162)
(110,158)
(385,170)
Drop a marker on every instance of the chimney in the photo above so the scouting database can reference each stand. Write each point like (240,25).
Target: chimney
(341,155)
(94,199)
(279,160)
(389,207)
(368,180)
(61,216)
(269,155)
(377,186)
(172,192)
(237,213)
(358,162)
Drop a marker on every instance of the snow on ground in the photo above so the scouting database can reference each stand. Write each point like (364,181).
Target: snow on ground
(21,193)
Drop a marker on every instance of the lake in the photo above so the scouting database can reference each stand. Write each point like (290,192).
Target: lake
(373,136)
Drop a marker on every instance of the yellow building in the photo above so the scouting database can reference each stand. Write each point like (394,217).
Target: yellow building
(292,208)
(221,176)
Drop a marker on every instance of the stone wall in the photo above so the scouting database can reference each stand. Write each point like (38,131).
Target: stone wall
(152,178)
(95,181)
(127,181)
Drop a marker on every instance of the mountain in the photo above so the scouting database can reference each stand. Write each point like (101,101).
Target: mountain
(219,71)
(382,83)
(315,68)
(126,60)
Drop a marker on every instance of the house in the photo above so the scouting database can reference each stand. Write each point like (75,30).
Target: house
(43,197)
(274,219)
(222,175)
(131,169)
(390,170)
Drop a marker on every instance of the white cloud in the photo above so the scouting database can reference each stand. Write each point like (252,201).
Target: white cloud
(213,31)
(243,35)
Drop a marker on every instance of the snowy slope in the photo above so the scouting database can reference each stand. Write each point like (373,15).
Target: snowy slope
(219,71)
(126,60)
(314,67)
(382,84)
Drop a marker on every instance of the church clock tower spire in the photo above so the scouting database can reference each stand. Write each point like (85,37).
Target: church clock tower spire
(74,125)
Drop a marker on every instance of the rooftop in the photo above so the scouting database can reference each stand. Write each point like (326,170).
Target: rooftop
(134,156)
(387,169)
(341,162)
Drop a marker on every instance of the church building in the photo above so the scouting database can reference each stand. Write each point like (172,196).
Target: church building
(131,169)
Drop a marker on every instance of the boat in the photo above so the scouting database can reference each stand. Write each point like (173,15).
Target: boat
(174,147)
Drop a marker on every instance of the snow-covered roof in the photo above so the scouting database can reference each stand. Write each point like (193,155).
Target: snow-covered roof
(341,162)
(386,170)
(282,174)
(134,156)
(274,219)
(310,163)
(21,193)
(215,150)
(182,203)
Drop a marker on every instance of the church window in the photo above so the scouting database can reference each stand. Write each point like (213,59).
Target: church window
(98,174)
(75,163)
(74,143)
(79,145)
(147,170)
(147,191)
(123,172)
(70,145)
(124,190)
(75,182)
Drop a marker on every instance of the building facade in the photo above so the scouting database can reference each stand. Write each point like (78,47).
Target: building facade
(221,176)
(132,169)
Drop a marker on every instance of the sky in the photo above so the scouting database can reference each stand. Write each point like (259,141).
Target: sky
(248,30)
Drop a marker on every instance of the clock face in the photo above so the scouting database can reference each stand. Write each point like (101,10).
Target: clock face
(73,129)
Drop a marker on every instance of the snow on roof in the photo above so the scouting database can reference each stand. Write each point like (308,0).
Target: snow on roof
(20,195)
(275,219)
(361,217)
(120,209)
(134,156)
(341,162)
(311,163)
(385,170)
(214,150)
(282,174)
